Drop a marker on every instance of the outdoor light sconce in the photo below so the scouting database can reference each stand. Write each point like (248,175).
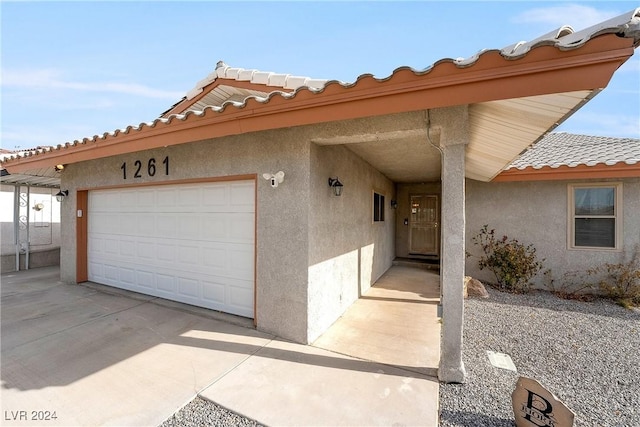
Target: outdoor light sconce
(336,186)
(394,204)
(58,168)
(61,195)
(274,179)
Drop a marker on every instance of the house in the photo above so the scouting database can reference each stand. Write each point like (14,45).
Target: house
(576,198)
(180,207)
(29,218)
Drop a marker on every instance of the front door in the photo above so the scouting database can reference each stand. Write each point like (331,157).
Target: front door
(424,225)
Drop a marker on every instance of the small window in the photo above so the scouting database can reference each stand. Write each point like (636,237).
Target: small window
(378,207)
(595,216)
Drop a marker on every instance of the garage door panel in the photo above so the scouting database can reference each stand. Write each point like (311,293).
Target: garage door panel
(188,287)
(243,196)
(188,255)
(145,279)
(189,243)
(166,226)
(215,197)
(213,292)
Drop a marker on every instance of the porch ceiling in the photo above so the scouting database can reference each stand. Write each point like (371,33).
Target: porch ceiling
(499,132)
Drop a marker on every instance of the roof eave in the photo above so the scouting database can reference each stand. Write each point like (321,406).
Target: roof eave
(579,172)
(544,70)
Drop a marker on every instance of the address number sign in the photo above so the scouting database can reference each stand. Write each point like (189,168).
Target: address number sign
(139,170)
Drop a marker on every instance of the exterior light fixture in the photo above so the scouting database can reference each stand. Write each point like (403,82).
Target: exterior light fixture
(274,178)
(336,186)
(59,168)
(394,204)
(61,195)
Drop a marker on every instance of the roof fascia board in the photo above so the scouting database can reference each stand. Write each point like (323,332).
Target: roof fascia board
(544,70)
(547,173)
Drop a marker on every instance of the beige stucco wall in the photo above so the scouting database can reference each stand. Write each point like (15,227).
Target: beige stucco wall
(282,213)
(316,253)
(536,212)
(348,252)
(405,191)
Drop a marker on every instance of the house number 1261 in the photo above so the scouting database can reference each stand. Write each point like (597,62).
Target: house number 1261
(151,168)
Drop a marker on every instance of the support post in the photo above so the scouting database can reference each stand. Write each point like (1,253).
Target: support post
(454,137)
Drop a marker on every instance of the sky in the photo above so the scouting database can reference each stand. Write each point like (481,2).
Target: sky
(71,70)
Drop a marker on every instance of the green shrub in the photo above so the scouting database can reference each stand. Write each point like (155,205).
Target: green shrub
(513,263)
(620,282)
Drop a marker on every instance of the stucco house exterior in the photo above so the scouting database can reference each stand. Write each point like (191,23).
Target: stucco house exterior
(576,198)
(192,206)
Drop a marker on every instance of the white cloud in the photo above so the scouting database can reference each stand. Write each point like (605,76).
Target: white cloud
(51,79)
(576,15)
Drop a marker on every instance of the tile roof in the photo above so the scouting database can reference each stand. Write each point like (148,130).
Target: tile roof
(565,149)
(564,38)
(285,81)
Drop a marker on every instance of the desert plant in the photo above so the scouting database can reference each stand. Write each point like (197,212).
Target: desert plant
(573,285)
(513,263)
(620,281)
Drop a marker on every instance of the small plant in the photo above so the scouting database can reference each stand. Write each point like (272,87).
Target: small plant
(620,282)
(513,263)
(573,286)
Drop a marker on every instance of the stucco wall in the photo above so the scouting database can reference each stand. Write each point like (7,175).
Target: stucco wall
(282,213)
(405,191)
(348,252)
(536,212)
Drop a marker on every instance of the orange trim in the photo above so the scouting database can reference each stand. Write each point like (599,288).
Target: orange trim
(547,173)
(544,70)
(82,203)
(186,103)
(255,252)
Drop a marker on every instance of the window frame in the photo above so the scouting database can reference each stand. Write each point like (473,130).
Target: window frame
(378,215)
(618,209)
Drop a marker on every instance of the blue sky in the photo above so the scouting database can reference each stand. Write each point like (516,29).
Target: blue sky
(71,70)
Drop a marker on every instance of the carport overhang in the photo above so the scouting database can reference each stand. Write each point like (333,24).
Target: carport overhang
(480,114)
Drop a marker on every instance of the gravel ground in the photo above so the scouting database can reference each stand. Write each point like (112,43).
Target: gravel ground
(200,412)
(586,353)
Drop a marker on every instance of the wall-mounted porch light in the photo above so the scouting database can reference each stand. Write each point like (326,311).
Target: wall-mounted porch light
(336,186)
(61,195)
(59,168)
(394,204)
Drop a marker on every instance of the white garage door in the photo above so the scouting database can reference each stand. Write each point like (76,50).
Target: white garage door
(192,243)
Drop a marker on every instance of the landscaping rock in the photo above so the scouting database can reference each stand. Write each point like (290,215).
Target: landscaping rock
(475,288)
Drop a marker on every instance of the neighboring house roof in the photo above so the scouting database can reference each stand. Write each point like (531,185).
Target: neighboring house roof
(43,177)
(515,95)
(569,156)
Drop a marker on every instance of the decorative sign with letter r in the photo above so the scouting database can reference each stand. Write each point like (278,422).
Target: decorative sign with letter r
(535,406)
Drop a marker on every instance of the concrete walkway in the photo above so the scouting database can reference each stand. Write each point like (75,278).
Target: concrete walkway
(97,356)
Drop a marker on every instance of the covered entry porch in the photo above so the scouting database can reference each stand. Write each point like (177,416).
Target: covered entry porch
(394,323)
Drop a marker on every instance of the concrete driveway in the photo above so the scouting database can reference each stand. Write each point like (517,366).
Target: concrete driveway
(91,355)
